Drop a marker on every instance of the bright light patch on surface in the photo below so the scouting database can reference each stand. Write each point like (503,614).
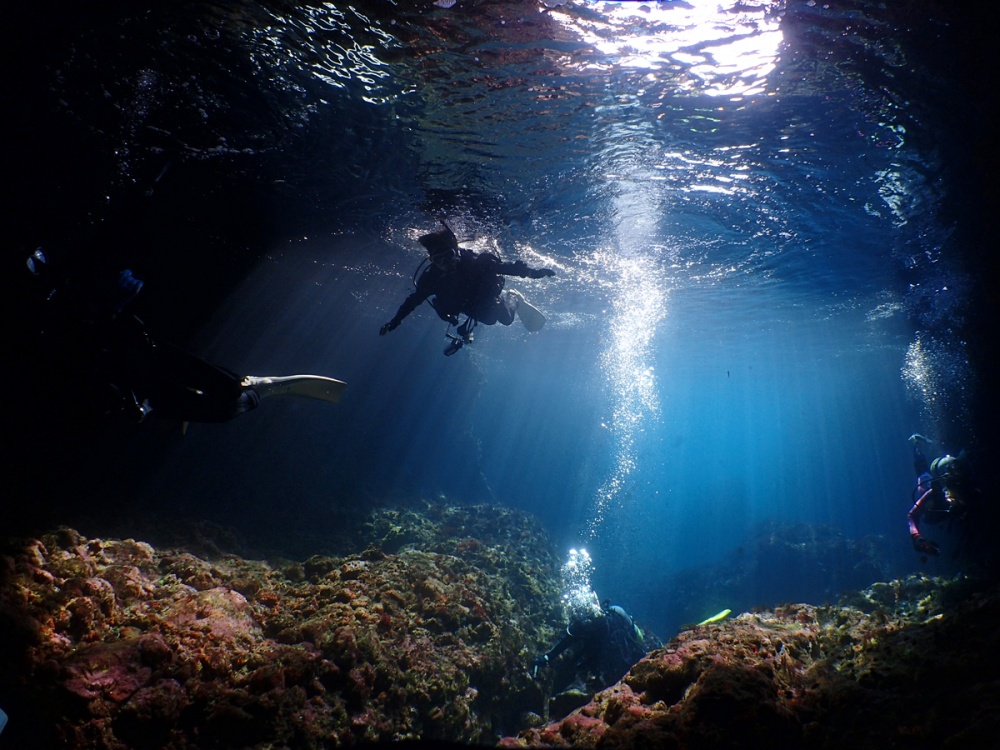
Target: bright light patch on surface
(718,47)
(895,192)
(337,48)
(884,311)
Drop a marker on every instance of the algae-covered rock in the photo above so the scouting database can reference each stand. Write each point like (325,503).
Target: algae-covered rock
(115,644)
(917,675)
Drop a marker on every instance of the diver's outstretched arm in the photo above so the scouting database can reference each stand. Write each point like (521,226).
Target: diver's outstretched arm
(522,270)
(410,304)
(921,545)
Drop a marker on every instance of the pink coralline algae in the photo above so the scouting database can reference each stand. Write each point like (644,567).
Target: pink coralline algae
(113,644)
(428,633)
(906,664)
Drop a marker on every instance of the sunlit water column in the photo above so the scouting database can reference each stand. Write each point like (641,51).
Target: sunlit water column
(662,53)
(638,305)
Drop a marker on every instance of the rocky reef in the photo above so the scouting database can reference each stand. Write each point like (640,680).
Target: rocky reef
(777,562)
(424,634)
(907,664)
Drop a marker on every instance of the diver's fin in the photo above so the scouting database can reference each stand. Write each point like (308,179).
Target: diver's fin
(308,386)
(717,618)
(531,317)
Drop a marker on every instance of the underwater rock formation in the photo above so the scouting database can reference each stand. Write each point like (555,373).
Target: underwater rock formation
(778,563)
(427,633)
(114,644)
(910,663)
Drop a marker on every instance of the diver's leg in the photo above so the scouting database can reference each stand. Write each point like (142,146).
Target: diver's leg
(507,308)
(193,390)
(499,310)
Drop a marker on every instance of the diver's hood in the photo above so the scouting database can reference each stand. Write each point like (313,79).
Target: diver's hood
(945,465)
(442,241)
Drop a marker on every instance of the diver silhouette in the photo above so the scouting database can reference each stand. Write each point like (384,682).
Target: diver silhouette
(947,494)
(599,646)
(459,281)
(87,340)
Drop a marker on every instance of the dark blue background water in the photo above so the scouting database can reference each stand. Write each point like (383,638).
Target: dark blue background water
(765,222)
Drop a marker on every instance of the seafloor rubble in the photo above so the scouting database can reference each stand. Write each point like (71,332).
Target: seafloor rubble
(424,634)
(427,634)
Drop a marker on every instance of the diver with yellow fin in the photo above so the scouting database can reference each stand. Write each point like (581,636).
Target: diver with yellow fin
(458,281)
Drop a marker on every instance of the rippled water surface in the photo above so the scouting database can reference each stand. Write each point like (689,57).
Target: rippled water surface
(762,286)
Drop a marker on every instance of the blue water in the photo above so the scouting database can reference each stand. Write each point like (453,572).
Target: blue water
(759,293)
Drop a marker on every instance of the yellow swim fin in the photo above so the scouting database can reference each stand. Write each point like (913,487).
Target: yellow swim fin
(717,618)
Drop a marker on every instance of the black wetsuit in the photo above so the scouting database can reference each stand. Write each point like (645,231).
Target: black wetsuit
(471,288)
(606,646)
(81,345)
(180,385)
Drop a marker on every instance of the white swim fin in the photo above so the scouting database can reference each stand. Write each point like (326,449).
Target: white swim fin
(307,386)
(531,317)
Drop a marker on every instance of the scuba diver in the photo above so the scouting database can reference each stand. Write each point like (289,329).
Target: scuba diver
(84,336)
(944,492)
(459,281)
(601,643)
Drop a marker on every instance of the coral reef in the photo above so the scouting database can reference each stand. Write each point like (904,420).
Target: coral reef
(910,663)
(424,634)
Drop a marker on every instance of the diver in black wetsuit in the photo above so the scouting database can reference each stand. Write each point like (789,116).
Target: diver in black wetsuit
(946,494)
(930,500)
(601,648)
(459,281)
(103,357)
